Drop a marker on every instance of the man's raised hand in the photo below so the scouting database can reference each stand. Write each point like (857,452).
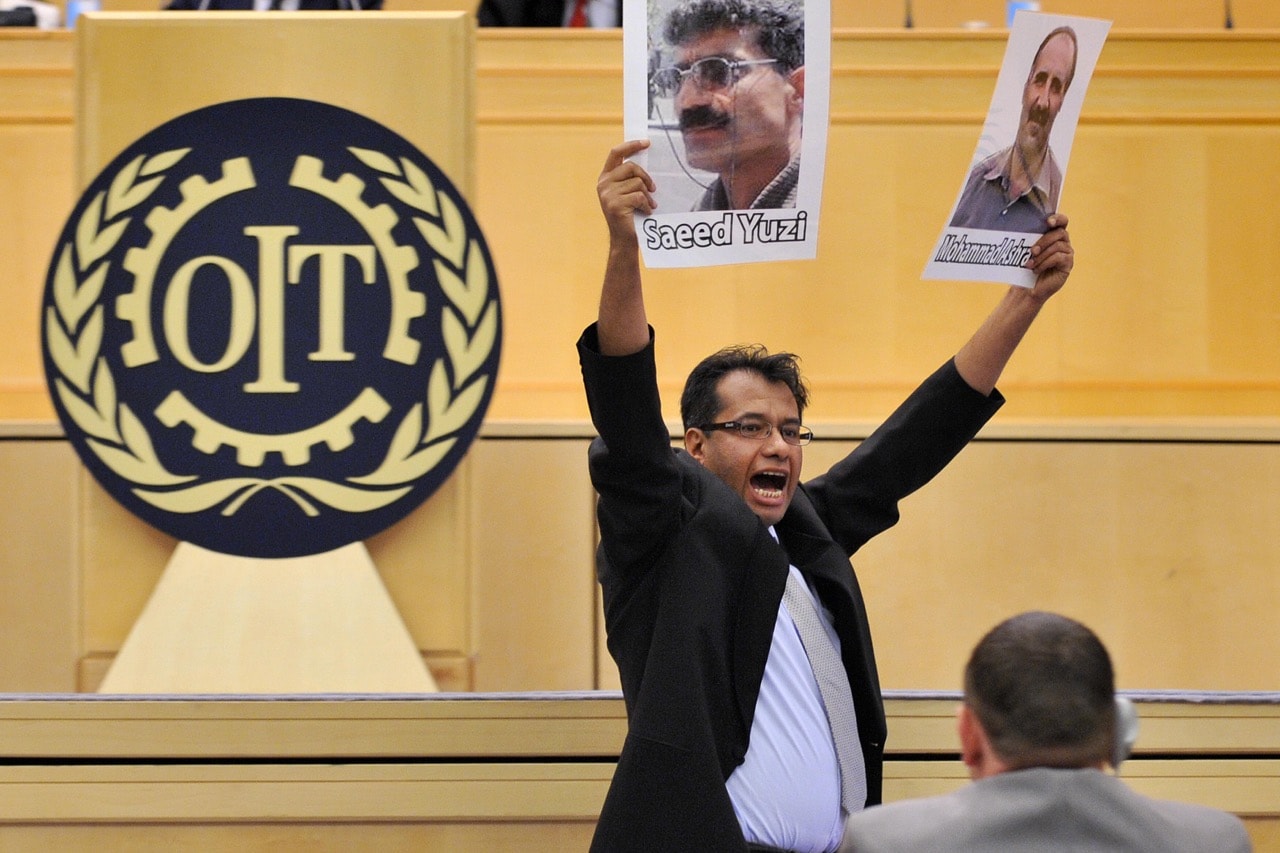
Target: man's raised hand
(624,189)
(1052,258)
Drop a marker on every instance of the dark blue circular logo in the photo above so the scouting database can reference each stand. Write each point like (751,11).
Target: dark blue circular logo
(271,327)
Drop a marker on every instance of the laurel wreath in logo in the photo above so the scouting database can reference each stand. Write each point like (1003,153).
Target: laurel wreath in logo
(74,327)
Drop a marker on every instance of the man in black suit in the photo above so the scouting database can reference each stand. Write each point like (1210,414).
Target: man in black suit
(729,747)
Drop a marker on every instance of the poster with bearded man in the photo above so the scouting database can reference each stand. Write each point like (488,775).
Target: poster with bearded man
(1015,179)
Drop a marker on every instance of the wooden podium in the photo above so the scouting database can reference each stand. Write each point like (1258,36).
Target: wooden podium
(323,623)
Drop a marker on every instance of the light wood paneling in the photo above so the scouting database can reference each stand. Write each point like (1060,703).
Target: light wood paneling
(531,559)
(221,57)
(36,191)
(314,794)
(1187,724)
(1157,534)
(1153,544)
(492,576)
(1148,14)
(1162,544)
(39,587)
(486,773)
(1137,332)
(1169,120)
(512,836)
(562,725)
(1172,14)
(424,562)
(1173,311)
(428,5)
(131,5)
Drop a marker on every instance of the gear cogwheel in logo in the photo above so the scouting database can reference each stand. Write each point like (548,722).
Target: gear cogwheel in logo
(271,327)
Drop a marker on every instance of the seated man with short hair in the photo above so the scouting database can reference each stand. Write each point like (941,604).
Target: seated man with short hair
(1037,726)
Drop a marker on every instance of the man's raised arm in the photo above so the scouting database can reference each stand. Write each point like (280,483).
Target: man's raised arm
(983,358)
(624,188)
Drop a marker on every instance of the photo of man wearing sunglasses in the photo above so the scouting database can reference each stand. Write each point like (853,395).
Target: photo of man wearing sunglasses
(726,99)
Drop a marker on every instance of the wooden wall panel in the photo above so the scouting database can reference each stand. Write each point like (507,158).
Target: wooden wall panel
(1173,312)
(1161,539)
(493,579)
(1169,120)
(531,558)
(40,594)
(424,562)
(1153,544)
(492,575)
(33,160)
(1138,332)
(35,194)
(513,836)
(1146,14)
(121,562)
(1176,14)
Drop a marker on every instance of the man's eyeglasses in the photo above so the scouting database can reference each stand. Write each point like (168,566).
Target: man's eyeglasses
(711,74)
(760,430)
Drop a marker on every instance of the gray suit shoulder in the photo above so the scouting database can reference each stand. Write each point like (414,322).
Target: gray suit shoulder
(1049,810)
(1202,829)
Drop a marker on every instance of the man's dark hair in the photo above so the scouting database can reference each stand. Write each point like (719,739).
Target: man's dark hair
(699,404)
(1043,689)
(778,25)
(1075,52)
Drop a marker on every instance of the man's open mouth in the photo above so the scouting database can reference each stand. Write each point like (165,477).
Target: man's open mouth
(769,484)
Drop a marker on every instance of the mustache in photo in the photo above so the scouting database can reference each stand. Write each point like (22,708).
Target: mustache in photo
(1039,115)
(702,116)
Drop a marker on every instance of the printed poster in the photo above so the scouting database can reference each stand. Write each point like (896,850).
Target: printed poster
(736,110)
(1016,175)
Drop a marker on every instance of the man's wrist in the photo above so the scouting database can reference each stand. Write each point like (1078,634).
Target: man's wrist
(1026,298)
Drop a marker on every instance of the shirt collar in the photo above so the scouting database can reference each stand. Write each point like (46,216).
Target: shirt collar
(1042,188)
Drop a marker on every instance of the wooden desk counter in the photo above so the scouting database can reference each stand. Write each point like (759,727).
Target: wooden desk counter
(495,772)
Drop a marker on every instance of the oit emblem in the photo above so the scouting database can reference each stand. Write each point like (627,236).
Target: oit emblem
(271,327)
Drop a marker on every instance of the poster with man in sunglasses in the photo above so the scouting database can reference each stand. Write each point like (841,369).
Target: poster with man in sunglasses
(734,101)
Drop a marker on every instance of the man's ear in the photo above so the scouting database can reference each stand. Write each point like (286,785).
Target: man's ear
(973,740)
(695,443)
(796,78)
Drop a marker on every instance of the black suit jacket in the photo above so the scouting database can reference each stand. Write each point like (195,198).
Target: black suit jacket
(692,582)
